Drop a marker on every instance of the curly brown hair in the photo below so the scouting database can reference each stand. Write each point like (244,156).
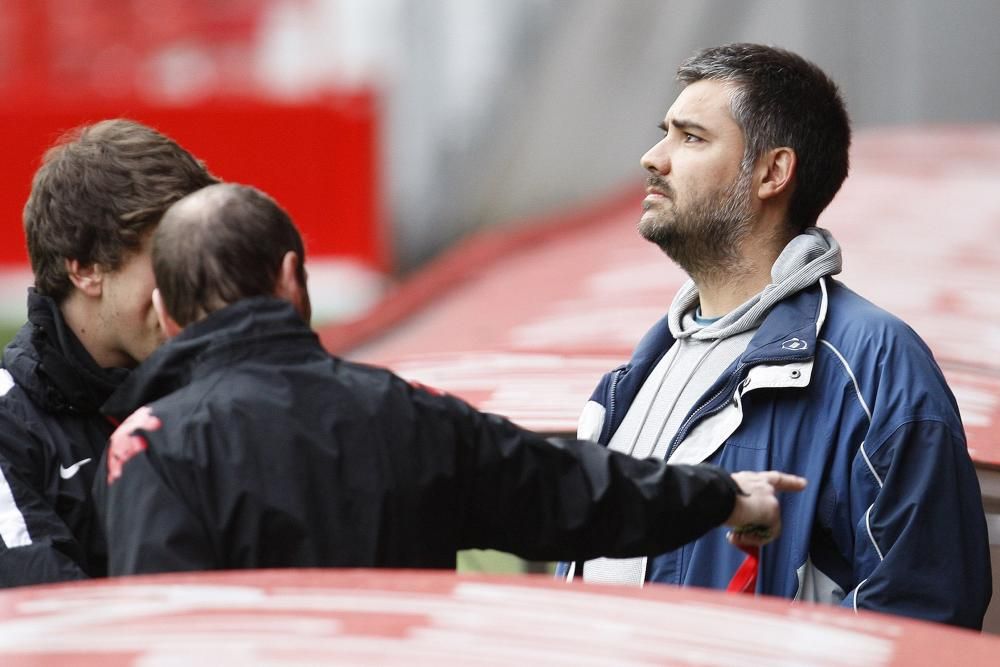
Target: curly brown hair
(99,190)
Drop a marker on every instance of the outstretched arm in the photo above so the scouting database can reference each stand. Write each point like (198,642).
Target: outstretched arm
(573,499)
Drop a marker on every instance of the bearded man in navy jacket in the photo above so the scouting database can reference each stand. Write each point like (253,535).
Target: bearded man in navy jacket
(765,361)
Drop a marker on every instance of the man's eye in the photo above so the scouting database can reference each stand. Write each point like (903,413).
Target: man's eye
(690,138)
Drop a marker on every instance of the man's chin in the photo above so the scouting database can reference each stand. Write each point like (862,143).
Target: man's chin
(666,237)
(653,228)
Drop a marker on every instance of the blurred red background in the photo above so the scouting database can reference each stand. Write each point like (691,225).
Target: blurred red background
(186,68)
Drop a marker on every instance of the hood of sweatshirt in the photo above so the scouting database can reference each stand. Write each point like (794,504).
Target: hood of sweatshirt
(808,257)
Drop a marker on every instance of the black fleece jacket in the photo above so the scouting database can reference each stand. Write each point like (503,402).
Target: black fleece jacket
(52,435)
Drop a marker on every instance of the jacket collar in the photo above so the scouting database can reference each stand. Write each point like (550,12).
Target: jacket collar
(52,366)
(788,333)
(245,329)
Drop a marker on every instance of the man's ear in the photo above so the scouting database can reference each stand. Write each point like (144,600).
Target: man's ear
(168,325)
(88,278)
(778,166)
(290,288)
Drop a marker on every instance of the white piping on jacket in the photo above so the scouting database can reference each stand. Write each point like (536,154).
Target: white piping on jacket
(854,602)
(864,406)
(854,380)
(864,455)
(868,527)
(13,529)
(822,306)
(6,381)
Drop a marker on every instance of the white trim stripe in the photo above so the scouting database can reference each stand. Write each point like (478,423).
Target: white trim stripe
(591,421)
(857,589)
(854,380)
(13,529)
(864,455)
(822,306)
(571,572)
(868,526)
(6,381)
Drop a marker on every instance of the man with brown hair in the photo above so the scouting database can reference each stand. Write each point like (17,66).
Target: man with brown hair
(249,446)
(95,200)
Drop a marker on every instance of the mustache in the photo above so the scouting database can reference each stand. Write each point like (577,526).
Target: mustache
(658,183)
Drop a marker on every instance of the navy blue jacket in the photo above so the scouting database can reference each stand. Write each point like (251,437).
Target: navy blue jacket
(837,390)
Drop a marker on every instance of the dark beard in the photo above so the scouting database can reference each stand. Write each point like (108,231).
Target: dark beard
(705,238)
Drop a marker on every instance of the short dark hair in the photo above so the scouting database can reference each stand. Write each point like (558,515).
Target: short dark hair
(100,188)
(221,244)
(782,99)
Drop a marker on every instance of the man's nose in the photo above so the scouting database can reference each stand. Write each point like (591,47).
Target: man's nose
(657,159)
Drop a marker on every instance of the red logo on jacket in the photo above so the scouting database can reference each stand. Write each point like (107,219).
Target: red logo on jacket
(126,443)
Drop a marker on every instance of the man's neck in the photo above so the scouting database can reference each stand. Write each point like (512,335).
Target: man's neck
(83,319)
(721,291)
(720,294)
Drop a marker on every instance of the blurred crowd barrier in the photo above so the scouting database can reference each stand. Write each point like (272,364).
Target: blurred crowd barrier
(188,69)
(71,49)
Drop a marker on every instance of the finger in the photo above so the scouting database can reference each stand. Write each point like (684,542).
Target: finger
(782,481)
(748,539)
(754,534)
(749,530)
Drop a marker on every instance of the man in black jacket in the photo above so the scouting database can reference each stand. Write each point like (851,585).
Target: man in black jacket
(249,446)
(95,199)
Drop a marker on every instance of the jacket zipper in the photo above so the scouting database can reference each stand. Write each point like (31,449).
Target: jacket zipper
(729,387)
(606,431)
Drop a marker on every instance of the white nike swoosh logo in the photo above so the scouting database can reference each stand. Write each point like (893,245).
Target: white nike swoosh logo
(66,473)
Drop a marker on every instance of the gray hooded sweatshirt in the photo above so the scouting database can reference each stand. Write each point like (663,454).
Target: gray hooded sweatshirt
(700,355)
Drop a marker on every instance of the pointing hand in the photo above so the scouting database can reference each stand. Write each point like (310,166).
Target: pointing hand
(756,517)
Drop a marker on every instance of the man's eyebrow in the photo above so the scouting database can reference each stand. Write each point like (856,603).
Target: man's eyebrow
(684,126)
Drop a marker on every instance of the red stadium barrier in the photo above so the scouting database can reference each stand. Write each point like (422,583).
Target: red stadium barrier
(384,617)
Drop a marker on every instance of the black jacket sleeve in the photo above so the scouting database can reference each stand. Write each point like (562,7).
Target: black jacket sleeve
(36,545)
(571,500)
(149,527)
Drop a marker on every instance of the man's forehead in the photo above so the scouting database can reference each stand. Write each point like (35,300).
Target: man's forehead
(705,102)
